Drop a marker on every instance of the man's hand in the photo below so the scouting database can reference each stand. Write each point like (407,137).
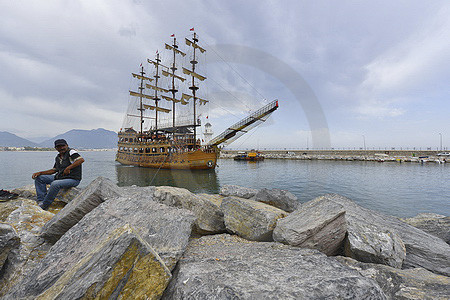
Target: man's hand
(66,171)
(36,175)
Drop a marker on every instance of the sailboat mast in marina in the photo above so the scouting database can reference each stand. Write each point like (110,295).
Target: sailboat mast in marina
(174,144)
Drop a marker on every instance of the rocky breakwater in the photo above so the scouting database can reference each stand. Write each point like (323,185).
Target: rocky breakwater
(166,242)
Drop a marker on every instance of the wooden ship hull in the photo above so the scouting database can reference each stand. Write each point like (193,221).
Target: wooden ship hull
(164,153)
(199,159)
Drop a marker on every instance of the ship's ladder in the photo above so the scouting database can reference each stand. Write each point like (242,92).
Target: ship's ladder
(243,126)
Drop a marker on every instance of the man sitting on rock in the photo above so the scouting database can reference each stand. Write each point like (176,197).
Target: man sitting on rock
(68,174)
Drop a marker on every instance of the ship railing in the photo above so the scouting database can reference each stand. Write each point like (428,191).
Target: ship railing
(245,123)
(179,122)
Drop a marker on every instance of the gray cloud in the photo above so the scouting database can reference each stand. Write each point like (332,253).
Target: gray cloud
(66,65)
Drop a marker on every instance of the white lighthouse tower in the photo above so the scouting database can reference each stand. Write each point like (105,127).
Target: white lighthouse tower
(208,133)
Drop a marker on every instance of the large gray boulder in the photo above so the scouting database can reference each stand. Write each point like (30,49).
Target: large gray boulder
(279,198)
(398,284)
(209,217)
(368,243)
(237,191)
(228,267)
(97,192)
(121,266)
(27,221)
(252,220)
(8,240)
(422,249)
(320,226)
(166,230)
(437,225)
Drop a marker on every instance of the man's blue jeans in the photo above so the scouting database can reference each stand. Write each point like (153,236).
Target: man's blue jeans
(46,197)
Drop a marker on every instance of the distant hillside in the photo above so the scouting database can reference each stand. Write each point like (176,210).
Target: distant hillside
(11,140)
(86,139)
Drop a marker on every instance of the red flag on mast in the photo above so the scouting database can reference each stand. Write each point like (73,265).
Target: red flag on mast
(192,29)
(173,35)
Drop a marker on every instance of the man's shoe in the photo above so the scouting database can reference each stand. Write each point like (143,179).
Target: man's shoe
(6,195)
(41,205)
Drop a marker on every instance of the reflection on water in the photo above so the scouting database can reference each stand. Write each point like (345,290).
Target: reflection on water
(199,181)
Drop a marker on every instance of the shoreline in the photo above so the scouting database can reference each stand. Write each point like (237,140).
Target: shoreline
(423,156)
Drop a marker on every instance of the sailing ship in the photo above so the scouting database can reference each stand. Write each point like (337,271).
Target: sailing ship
(173,143)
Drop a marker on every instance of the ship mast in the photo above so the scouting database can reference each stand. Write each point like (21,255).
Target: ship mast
(141,95)
(156,88)
(173,88)
(194,75)
(141,108)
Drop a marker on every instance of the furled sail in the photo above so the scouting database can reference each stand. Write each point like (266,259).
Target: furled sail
(202,101)
(141,77)
(198,76)
(165,73)
(171,99)
(190,43)
(156,63)
(160,109)
(156,88)
(186,96)
(141,95)
(168,47)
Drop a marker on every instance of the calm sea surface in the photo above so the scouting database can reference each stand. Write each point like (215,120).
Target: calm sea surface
(402,190)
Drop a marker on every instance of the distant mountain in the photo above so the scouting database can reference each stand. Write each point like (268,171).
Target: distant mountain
(86,139)
(11,140)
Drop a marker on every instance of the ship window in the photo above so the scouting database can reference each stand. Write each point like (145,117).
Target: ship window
(147,150)
(135,149)
(154,150)
(126,139)
(162,149)
(141,150)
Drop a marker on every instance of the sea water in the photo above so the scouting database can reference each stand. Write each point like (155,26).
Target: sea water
(399,189)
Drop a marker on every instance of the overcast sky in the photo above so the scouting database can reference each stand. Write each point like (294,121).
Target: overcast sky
(345,72)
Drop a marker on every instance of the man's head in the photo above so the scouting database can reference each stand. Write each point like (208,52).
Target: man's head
(61,145)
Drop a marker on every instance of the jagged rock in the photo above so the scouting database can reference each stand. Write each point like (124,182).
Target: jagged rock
(6,208)
(320,226)
(250,219)
(8,240)
(279,198)
(437,225)
(368,243)
(121,266)
(237,191)
(398,284)
(165,229)
(98,191)
(209,218)
(139,192)
(228,267)
(27,220)
(422,249)
(64,195)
